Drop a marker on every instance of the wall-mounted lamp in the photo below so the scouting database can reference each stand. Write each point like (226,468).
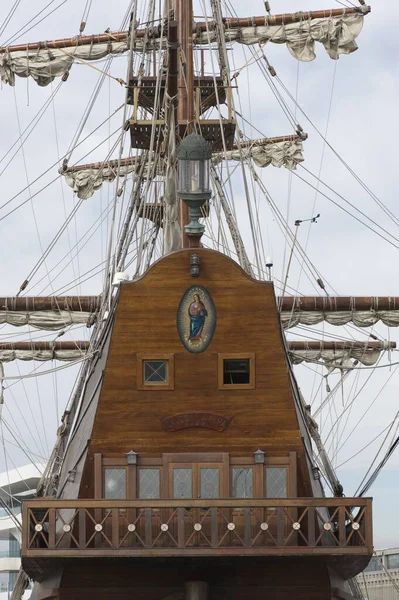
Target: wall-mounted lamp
(194,265)
(131,457)
(259,457)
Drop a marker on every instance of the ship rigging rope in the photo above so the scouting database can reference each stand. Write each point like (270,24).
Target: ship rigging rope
(393,444)
(99,222)
(349,213)
(87,356)
(367,445)
(23,31)
(108,275)
(4,422)
(313,211)
(387,211)
(9,16)
(36,118)
(231,217)
(365,413)
(294,100)
(58,235)
(56,163)
(57,145)
(29,187)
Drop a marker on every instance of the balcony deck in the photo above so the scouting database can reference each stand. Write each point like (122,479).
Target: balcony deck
(65,529)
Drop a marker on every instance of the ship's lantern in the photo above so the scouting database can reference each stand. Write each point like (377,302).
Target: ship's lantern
(194,156)
(259,457)
(131,457)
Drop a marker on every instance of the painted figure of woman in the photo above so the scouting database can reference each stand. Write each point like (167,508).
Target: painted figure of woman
(197,313)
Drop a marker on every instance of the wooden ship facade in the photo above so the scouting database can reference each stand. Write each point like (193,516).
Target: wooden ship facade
(185,468)
(198,485)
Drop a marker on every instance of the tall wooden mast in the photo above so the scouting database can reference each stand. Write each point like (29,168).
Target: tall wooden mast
(185,111)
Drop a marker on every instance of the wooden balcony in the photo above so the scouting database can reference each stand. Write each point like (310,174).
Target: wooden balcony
(72,529)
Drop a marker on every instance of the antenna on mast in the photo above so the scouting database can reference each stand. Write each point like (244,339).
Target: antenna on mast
(269,265)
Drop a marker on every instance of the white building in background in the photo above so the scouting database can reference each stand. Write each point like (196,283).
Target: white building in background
(380,580)
(15,486)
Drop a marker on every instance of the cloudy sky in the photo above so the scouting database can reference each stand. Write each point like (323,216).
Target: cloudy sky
(352,100)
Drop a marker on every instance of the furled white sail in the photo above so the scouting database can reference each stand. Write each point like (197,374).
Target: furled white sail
(41,355)
(336,358)
(336,33)
(44,65)
(286,154)
(359,318)
(46,319)
(87,181)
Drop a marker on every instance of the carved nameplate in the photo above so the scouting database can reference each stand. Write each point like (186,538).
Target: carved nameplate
(200,420)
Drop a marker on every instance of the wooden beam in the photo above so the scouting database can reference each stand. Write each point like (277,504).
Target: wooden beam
(55,303)
(130,161)
(290,303)
(337,303)
(78,345)
(280,19)
(232,23)
(328,345)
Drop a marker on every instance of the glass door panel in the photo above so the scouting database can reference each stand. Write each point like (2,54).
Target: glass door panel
(209,482)
(182,483)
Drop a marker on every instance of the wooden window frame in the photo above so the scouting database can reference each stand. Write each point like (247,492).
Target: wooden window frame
(170,370)
(238,356)
(189,458)
(259,473)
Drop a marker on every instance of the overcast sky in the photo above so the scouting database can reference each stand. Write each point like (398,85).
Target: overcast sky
(353,99)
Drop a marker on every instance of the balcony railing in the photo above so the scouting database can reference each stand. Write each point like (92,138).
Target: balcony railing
(73,528)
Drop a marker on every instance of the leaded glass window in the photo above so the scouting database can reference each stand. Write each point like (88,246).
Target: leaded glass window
(276,482)
(182,483)
(241,480)
(209,483)
(149,483)
(155,371)
(115,484)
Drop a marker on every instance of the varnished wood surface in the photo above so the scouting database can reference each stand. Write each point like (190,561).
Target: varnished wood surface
(234,578)
(247,322)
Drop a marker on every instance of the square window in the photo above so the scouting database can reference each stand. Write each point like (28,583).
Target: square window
(155,372)
(236,371)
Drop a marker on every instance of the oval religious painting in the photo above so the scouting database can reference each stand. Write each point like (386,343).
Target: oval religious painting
(196,319)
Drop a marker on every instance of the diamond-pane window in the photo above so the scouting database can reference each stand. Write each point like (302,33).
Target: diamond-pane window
(155,372)
(209,483)
(182,483)
(148,483)
(276,482)
(242,482)
(115,484)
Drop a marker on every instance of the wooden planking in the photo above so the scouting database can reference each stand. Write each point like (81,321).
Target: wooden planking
(145,323)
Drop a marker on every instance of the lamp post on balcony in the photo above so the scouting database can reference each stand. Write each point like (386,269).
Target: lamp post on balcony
(194,157)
